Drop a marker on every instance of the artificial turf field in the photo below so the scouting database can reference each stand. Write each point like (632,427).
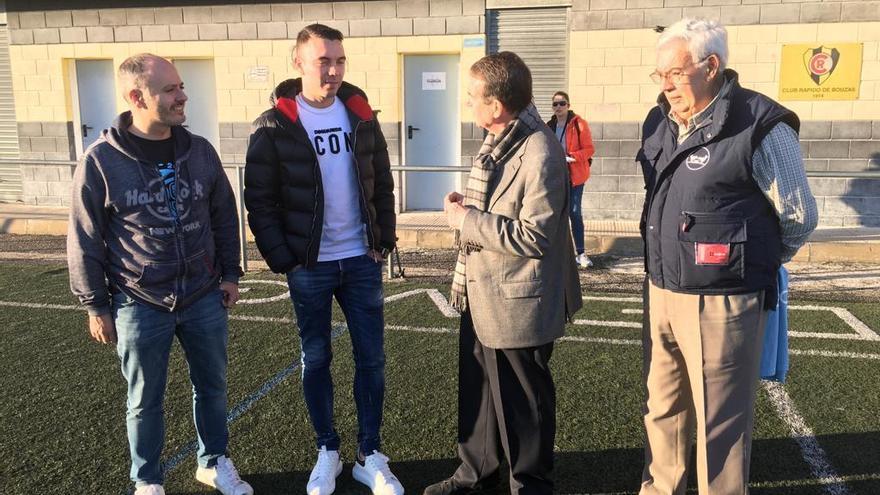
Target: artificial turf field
(62,428)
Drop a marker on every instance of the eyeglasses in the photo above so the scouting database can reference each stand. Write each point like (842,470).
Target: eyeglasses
(560,103)
(676,75)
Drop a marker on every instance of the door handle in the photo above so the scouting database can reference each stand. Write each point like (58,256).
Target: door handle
(86,129)
(409,130)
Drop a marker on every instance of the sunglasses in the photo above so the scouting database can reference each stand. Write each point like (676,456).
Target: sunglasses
(560,103)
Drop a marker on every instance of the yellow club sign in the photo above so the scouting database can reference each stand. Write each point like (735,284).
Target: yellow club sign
(820,72)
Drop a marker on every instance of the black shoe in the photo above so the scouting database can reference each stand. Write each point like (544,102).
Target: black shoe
(451,486)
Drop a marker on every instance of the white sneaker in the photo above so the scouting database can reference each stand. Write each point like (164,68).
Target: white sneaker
(150,490)
(224,478)
(322,481)
(376,474)
(583,261)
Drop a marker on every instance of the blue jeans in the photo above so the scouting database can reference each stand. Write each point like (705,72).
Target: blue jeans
(145,336)
(357,285)
(577,218)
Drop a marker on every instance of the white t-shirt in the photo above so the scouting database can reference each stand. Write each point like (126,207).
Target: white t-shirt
(329,130)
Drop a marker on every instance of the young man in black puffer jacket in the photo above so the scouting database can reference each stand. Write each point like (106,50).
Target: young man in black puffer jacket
(320,200)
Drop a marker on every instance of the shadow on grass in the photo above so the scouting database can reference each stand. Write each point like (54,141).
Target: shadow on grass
(777,468)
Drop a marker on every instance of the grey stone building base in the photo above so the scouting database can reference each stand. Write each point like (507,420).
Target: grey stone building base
(614,192)
(616,189)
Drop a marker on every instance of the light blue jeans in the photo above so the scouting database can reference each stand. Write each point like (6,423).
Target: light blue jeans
(145,336)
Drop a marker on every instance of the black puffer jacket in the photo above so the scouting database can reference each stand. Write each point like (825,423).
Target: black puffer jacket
(283,191)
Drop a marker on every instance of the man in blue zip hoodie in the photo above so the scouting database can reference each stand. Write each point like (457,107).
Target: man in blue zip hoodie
(152,249)
(320,200)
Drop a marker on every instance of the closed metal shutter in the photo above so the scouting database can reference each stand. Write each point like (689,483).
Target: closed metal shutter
(10,173)
(540,38)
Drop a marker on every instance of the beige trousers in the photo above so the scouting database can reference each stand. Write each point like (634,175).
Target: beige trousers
(702,356)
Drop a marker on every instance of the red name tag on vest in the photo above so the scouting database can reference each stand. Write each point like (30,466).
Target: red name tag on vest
(712,254)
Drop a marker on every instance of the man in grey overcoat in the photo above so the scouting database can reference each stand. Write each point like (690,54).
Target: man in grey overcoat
(515,284)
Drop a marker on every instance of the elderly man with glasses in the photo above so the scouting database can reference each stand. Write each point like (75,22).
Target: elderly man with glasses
(727,203)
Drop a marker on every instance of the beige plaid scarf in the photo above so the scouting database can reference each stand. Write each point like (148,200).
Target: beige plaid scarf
(494,152)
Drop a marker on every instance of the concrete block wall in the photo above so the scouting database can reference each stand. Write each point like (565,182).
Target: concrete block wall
(841,146)
(237,38)
(234,140)
(472,137)
(611,55)
(615,190)
(844,146)
(46,141)
(609,70)
(246,21)
(47,183)
(609,64)
(591,15)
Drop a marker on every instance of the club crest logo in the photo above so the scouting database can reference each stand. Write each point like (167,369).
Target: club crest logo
(820,63)
(698,159)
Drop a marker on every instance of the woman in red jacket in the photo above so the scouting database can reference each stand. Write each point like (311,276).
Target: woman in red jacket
(574,135)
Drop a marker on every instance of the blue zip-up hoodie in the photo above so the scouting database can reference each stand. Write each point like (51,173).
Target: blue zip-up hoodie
(122,237)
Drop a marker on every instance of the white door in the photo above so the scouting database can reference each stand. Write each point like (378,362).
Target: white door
(96,97)
(200,86)
(431,128)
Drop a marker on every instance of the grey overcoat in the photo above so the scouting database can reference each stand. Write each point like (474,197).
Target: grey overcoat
(522,283)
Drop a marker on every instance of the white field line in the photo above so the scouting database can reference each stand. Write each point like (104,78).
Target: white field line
(442,304)
(822,335)
(848,318)
(404,295)
(11,255)
(404,328)
(835,354)
(779,483)
(437,298)
(338,329)
(811,451)
(244,406)
(569,338)
(189,449)
(280,297)
(815,481)
(263,319)
(863,332)
(859,273)
(604,340)
(596,340)
(612,299)
(601,340)
(614,324)
(13,304)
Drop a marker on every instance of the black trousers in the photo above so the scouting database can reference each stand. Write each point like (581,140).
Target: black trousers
(506,400)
